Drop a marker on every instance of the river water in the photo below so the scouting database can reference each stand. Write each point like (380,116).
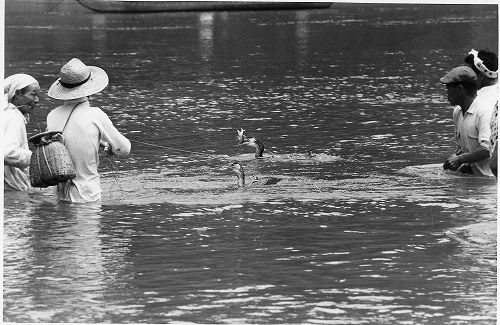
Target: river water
(369,230)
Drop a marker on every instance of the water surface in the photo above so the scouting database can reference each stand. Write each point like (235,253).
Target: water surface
(369,231)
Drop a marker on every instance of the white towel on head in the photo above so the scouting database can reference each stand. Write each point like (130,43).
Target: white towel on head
(15,82)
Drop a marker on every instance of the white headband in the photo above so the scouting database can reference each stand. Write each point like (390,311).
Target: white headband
(478,63)
(16,82)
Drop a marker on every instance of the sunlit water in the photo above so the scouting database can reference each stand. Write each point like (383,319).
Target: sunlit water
(369,230)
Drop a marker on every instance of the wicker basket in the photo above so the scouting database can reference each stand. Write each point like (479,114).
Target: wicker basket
(50,161)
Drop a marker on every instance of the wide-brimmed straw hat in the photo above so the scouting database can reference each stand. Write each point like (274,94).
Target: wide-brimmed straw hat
(78,80)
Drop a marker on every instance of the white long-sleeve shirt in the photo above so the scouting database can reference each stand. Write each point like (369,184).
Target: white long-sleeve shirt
(87,126)
(16,154)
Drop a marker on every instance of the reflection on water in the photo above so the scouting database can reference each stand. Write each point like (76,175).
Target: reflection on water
(302,36)
(206,35)
(369,230)
(99,35)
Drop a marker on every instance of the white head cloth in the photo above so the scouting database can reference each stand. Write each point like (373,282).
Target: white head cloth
(478,63)
(16,82)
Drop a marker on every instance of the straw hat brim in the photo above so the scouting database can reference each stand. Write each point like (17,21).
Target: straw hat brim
(97,82)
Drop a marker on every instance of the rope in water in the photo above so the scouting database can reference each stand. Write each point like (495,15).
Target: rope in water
(145,143)
(141,142)
(114,169)
(170,148)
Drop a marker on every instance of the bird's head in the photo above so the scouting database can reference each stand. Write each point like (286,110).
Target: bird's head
(241,137)
(258,145)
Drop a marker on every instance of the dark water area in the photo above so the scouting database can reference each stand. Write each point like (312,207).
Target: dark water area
(369,230)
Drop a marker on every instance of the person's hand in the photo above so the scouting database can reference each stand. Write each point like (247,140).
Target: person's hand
(57,137)
(106,147)
(109,150)
(45,140)
(452,163)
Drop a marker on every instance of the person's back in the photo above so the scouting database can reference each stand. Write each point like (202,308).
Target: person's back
(84,129)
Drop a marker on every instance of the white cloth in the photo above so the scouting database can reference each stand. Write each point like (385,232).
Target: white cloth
(16,155)
(473,131)
(86,128)
(494,129)
(489,95)
(16,82)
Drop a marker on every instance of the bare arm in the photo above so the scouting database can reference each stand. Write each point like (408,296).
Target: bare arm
(477,155)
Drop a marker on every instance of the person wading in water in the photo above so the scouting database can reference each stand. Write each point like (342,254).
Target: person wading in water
(86,128)
(485,65)
(472,119)
(21,96)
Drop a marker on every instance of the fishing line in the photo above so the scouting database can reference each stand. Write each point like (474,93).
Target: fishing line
(36,122)
(34,116)
(114,168)
(175,149)
(432,221)
(55,5)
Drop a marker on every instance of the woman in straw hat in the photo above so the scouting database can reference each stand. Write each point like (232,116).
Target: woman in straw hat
(84,129)
(20,98)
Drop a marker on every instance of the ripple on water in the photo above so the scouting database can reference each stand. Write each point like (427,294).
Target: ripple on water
(164,186)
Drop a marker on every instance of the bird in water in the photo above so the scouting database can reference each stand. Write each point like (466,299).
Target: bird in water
(251,142)
(241,137)
(238,170)
(258,145)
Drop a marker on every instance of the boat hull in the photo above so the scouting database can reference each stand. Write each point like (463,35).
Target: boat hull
(121,6)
